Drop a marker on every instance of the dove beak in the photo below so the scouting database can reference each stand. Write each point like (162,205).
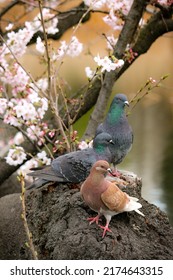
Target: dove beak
(112,142)
(110,171)
(126,103)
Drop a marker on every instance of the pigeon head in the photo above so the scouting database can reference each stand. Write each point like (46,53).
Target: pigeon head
(120,99)
(101,167)
(117,107)
(102,141)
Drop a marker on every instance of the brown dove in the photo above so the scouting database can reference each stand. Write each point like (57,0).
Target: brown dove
(104,197)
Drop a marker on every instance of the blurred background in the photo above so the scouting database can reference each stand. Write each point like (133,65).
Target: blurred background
(151,157)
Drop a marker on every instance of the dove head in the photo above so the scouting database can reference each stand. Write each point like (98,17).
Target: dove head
(101,166)
(101,141)
(121,100)
(116,110)
(102,145)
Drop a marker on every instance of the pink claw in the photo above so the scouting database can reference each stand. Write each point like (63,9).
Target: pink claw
(116,173)
(94,219)
(105,229)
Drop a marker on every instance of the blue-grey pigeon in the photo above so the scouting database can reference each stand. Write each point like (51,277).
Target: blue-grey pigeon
(116,124)
(74,167)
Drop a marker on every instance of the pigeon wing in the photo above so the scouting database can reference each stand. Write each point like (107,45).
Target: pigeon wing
(114,198)
(74,167)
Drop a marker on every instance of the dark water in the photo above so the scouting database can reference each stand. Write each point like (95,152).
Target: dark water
(151,157)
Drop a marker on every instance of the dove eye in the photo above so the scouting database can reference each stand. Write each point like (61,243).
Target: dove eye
(102,166)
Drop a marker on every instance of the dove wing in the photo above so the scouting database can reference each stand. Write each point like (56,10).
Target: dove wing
(75,166)
(114,198)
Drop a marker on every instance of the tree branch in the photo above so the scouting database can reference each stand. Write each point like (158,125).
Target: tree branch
(130,27)
(126,36)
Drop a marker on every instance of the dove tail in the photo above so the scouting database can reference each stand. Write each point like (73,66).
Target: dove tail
(134,198)
(133,205)
(139,212)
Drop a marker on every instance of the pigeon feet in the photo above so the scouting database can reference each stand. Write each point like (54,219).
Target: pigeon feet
(94,220)
(105,229)
(116,173)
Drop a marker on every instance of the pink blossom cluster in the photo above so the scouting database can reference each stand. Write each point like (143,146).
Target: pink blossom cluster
(22,100)
(50,22)
(72,49)
(107,63)
(24,105)
(104,64)
(84,145)
(16,156)
(165,2)
(115,8)
(40,159)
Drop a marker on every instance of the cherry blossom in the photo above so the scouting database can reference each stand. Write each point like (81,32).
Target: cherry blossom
(17,41)
(18,138)
(95,4)
(164,2)
(121,5)
(42,156)
(40,47)
(26,168)
(89,73)
(9,26)
(16,77)
(39,160)
(74,48)
(107,64)
(35,133)
(83,145)
(50,22)
(3,105)
(113,21)
(15,156)
(111,42)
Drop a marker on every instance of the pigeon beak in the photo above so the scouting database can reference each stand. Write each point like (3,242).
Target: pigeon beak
(110,171)
(126,103)
(112,142)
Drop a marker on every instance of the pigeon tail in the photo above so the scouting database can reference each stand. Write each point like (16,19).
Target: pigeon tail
(140,213)
(132,205)
(134,198)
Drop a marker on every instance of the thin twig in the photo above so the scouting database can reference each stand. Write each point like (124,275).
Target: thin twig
(28,233)
(148,87)
(46,46)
